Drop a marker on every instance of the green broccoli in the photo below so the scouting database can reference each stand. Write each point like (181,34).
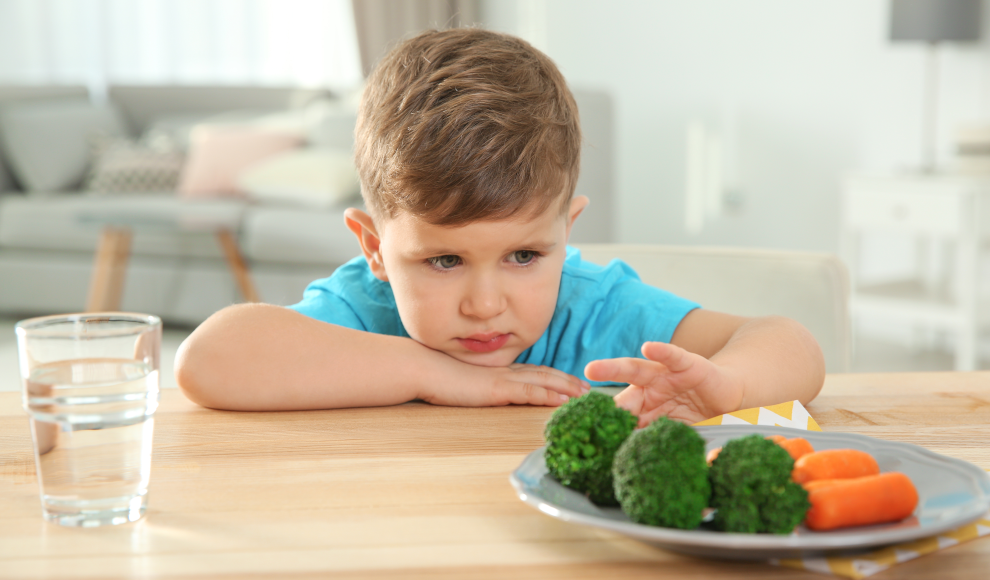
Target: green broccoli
(582,437)
(661,477)
(752,489)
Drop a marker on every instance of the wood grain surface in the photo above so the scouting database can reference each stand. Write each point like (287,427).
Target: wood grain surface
(415,491)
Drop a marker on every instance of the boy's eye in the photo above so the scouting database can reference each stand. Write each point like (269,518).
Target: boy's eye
(445,262)
(522,256)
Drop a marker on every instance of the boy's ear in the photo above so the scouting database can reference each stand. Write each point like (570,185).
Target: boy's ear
(577,206)
(363,227)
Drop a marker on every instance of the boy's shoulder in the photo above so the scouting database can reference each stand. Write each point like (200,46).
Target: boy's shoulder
(583,273)
(614,286)
(353,297)
(354,270)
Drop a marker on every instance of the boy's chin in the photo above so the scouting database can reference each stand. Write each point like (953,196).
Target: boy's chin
(498,358)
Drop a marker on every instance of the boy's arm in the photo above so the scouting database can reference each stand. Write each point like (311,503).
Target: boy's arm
(718,363)
(259,357)
(775,358)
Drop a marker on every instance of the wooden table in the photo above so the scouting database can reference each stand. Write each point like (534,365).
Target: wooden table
(416,491)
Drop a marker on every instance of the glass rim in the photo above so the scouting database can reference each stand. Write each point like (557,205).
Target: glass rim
(46,326)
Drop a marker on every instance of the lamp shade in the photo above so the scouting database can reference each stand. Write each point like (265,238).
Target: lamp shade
(935,20)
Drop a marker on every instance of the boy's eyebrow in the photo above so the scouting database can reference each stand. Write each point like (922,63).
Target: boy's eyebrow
(538,246)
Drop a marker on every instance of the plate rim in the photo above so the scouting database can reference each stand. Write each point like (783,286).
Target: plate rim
(813,541)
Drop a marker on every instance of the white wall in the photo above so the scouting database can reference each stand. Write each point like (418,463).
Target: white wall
(814,87)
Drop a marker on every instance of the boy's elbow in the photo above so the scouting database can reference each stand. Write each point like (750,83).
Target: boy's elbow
(200,361)
(192,374)
(814,357)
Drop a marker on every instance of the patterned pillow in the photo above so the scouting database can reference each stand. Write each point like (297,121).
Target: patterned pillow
(126,166)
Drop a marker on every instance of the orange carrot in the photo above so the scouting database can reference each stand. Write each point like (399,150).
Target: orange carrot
(834,464)
(798,447)
(712,455)
(820,483)
(875,499)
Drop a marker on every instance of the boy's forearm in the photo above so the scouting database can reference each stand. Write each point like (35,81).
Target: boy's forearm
(262,357)
(775,358)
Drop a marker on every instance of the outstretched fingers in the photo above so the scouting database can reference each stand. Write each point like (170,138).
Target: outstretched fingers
(634,371)
(673,357)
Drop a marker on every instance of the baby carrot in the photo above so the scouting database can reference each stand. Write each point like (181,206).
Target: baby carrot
(834,464)
(819,483)
(875,499)
(712,455)
(798,447)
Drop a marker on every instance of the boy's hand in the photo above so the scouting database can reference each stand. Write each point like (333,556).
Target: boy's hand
(673,382)
(517,384)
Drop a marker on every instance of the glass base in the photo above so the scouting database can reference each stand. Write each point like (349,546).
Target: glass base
(91,514)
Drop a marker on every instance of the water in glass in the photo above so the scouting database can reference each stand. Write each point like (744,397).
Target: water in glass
(92,421)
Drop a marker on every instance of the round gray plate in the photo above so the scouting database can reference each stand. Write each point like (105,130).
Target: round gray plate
(951,493)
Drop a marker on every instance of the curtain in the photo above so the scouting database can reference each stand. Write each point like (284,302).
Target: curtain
(95,42)
(380,23)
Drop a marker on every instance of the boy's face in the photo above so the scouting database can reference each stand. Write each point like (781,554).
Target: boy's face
(481,293)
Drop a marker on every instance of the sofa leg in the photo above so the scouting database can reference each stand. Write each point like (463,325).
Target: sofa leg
(106,286)
(237,265)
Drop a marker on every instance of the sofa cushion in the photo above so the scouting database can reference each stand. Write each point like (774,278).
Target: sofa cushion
(297,235)
(46,143)
(175,131)
(331,124)
(143,104)
(164,225)
(217,155)
(312,177)
(20,93)
(121,165)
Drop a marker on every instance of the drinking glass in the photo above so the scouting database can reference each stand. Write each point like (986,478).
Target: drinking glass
(90,386)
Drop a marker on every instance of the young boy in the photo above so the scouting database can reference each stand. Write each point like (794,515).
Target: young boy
(467,145)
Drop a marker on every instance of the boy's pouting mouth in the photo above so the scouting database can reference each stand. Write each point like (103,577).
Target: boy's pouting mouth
(483,292)
(485,342)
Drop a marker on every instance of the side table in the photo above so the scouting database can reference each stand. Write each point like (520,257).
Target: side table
(938,211)
(113,252)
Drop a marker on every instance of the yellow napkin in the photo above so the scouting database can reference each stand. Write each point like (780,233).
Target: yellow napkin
(794,414)
(791,414)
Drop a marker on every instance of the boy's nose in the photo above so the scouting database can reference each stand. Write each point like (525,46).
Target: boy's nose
(483,300)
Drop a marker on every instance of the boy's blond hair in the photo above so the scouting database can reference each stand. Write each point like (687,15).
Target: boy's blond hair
(466,124)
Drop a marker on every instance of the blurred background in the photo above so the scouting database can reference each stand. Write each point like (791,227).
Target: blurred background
(741,123)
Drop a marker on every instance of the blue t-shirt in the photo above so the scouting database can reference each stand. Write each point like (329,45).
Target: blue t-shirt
(602,311)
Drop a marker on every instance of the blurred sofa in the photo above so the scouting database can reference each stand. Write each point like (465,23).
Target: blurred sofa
(50,222)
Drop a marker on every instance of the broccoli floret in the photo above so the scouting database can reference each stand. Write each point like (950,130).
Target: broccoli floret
(752,489)
(582,437)
(661,477)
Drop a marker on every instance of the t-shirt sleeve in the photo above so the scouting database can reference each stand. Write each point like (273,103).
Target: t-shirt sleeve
(633,313)
(354,298)
(319,303)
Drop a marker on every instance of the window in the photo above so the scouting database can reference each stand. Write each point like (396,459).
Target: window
(96,42)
